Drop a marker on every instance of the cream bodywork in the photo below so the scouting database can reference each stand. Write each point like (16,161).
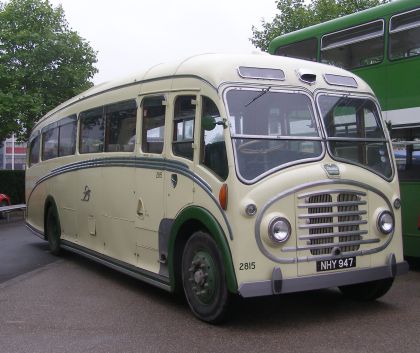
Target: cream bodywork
(126,206)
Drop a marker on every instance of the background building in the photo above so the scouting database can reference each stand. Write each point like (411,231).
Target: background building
(12,154)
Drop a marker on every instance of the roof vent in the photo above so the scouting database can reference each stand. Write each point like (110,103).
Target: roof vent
(306,76)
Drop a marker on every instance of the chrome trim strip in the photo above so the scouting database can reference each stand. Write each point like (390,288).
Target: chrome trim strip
(335,235)
(332,191)
(325,225)
(331,204)
(146,276)
(142,163)
(332,214)
(285,193)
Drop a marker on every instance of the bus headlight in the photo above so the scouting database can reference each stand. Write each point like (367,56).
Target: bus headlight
(279,229)
(386,222)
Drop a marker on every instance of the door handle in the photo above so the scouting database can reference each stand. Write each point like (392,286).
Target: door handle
(140,208)
(174,180)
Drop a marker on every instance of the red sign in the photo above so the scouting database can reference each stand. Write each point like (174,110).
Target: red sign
(18,150)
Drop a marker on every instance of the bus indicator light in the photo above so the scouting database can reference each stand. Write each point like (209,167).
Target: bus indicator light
(223,196)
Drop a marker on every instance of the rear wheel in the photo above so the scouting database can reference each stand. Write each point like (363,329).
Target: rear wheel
(204,278)
(367,291)
(53,230)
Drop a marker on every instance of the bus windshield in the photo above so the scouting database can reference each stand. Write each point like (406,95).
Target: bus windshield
(271,130)
(355,133)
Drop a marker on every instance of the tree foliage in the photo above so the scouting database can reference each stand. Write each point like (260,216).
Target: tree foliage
(42,63)
(297,14)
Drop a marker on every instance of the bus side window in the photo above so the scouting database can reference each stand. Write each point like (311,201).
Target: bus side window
(354,47)
(120,126)
(404,35)
(213,147)
(153,124)
(305,49)
(183,136)
(34,151)
(92,131)
(67,136)
(50,142)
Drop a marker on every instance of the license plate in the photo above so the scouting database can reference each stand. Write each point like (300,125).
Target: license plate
(335,264)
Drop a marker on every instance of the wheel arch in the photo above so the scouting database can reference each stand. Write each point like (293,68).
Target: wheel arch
(190,220)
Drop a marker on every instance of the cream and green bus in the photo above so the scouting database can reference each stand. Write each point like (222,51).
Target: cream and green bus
(223,175)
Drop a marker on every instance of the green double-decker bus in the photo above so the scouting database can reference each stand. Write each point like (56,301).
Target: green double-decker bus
(382,46)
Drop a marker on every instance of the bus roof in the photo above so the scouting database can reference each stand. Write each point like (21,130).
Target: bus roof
(354,19)
(216,69)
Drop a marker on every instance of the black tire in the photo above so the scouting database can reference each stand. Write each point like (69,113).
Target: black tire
(367,291)
(53,230)
(204,278)
(2,204)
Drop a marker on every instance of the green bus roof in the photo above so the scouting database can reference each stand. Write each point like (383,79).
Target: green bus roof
(316,31)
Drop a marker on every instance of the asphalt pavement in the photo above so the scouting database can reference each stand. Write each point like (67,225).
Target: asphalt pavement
(70,304)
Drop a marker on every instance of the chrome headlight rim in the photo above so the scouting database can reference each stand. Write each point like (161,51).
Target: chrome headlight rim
(381,222)
(284,225)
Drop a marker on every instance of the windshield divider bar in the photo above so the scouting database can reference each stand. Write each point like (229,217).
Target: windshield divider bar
(367,139)
(265,137)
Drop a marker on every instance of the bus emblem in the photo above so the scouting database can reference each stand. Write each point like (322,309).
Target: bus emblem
(332,170)
(86,194)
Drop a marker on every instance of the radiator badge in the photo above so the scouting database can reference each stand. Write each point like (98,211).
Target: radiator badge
(332,170)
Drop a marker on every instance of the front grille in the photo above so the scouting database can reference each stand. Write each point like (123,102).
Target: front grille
(315,219)
(332,220)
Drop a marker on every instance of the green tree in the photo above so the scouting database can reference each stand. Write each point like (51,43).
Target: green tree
(297,14)
(42,63)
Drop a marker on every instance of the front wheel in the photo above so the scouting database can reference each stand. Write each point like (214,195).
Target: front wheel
(367,291)
(204,279)
(53,230)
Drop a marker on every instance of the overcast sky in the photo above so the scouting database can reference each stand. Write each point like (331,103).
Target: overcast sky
(131,35)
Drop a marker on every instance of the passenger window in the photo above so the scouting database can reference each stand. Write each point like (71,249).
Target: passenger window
(34,151)
(404,35)
(153,124)
(305,49)
(121,127)
(183,136)
(213,148)
(67,136)
(92,131)
(50,142)
(354,47)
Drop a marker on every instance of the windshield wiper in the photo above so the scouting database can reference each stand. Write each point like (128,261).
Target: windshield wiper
(264,91)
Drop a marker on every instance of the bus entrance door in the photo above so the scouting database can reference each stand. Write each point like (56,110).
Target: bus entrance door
(149,195)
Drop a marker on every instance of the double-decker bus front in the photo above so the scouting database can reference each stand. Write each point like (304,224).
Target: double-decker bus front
(318,194)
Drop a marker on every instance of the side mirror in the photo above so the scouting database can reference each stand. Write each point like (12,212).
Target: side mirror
(208,122)
(388,125)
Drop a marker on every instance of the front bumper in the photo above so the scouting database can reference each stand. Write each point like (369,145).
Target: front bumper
(278,285)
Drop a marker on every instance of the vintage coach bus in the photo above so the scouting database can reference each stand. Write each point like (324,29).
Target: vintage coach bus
(221,175)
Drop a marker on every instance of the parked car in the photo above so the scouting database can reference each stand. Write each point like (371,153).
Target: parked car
(4,201)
